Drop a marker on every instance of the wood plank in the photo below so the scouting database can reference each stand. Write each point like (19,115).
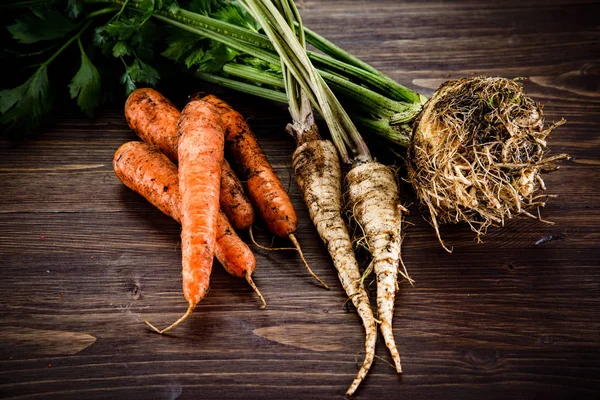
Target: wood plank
(85,261)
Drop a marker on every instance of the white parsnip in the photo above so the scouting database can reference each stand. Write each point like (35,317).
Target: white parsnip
(373,197)
(317,168)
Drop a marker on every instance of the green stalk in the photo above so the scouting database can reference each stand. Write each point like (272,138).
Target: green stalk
(235,44)
(399,135)
(342,129)
(329,48)
(382,83)
(252,74)
(337,60)
(65,45)
(268,94)
(374,93)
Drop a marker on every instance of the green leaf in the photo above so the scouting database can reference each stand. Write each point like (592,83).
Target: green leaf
(205,7)
(173,8)
(197,57)
(24,106)
(236,15)
(139,72)
(121,29)
(44,24)
(74,8)
(214,59)
(178,49)
(260,65)
(121,49)
(86,86)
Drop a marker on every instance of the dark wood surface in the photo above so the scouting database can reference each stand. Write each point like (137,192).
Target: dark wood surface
(84,260)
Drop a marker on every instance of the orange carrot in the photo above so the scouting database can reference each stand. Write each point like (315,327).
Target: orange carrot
(264,187)
(154,119)
(200,150)
(141,167)
(234,202)
(150,173)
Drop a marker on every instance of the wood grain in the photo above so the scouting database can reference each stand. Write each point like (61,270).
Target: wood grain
(85,260)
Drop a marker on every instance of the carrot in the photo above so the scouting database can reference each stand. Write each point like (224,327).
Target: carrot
(234,202)
(200,150)
(141,167)
(264,187)
(154,119)
(145,170)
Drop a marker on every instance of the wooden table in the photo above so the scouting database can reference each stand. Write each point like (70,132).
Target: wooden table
(85,261)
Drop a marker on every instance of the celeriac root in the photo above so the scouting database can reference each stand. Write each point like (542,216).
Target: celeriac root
(318,173)
(373,198)
(477,153)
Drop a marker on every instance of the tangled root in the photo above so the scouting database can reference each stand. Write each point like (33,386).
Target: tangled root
(477,153)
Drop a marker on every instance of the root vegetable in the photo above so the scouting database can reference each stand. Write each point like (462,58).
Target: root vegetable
(264,187)
(374,200)
(373,192)
(145,170)
(477,153)
(234,202)
(154,119)
(200,151)
(317,169)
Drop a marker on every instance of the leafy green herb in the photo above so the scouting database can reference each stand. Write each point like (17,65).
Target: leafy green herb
(44,24)
(23,107)
(139,72)
(180,45)
(86,85)
(236,15)
(74,9)
(216,57)
(121,49)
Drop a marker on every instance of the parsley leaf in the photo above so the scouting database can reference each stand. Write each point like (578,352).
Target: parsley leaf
(74,8)
(44,24)
(205,7)
(121,49)
(196,57)
(24,106)
(236,15)
(180,44)
(86,85)
(214,59)
(139,72)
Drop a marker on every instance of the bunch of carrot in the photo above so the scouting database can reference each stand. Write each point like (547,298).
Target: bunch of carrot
(202,192)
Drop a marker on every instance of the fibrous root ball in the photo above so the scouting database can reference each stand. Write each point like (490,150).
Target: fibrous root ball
(477,153)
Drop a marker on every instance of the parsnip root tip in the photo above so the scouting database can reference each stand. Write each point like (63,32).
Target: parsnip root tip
(310,271)
(253,285)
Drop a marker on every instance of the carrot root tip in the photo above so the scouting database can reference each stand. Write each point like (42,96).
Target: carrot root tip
(155,329)
(253,285)
(264,247)
(174,324)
